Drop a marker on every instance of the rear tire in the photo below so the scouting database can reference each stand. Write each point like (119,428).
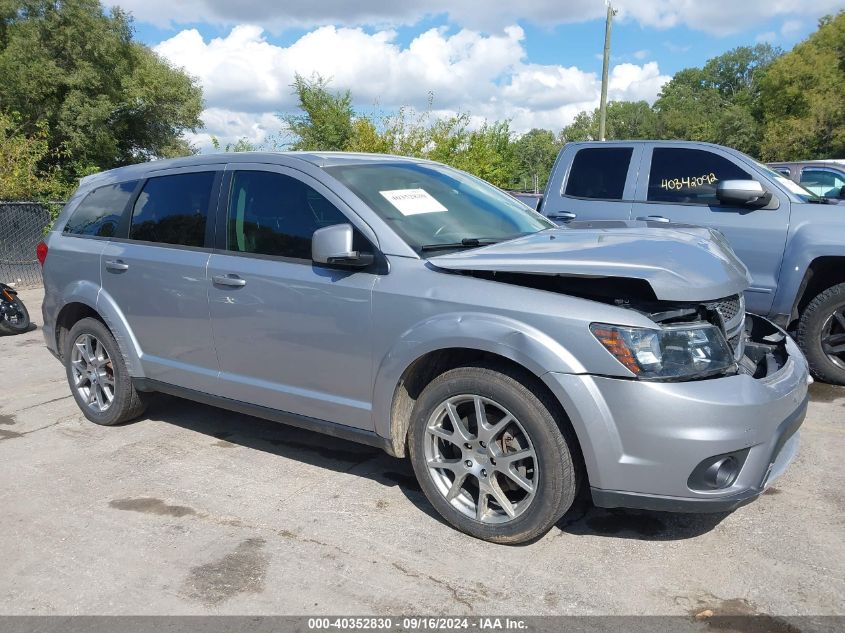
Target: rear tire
(22,322)
(97,375)
(464,469)
(821,335)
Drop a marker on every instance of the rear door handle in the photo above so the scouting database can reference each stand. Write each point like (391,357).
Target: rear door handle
(566,216)
(116,265)
(229,280)
(653,218)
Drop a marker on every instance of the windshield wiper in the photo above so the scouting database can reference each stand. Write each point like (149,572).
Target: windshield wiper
(467,242)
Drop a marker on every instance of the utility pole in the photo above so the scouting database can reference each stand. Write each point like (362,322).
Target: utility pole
(603,105)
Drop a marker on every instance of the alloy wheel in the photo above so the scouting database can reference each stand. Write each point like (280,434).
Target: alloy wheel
(93,373)
(833,337)
(481,459)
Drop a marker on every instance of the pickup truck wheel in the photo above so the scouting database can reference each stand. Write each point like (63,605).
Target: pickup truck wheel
(97,375)
(489,455)
(821,334)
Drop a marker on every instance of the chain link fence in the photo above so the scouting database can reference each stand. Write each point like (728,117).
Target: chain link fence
(22,226)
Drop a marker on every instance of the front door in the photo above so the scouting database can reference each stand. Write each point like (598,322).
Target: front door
(157,277)
(680,185)
(290,335)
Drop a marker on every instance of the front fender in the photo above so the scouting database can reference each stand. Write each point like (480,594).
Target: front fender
(512,339)
(809,242)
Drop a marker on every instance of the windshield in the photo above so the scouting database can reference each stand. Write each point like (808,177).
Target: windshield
(805,195)
(435,208)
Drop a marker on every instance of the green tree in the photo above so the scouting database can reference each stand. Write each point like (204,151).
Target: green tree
(719,103)
(535,153)
(326,122)
(803,97)
(625,120)
(102,99)
(21,174)
(243,144)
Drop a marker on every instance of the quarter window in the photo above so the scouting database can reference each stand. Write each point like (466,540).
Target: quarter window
(689,176)
(173,209)
(100,212)
(274,214)
(599,173)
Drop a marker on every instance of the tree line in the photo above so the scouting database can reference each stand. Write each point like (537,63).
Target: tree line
(78,95)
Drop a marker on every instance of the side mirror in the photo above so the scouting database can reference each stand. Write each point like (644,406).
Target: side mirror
(332,246)
(742,193)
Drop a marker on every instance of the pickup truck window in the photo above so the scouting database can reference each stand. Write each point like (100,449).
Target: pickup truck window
(689,176)
(823,182)
(599,173)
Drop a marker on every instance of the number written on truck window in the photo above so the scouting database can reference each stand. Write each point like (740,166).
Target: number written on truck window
(689,176)
(99,213)
(599,173)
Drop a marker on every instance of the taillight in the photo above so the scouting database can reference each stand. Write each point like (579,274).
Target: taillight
(41,252)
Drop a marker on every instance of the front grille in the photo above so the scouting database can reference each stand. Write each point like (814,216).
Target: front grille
(728,309)
(732,313)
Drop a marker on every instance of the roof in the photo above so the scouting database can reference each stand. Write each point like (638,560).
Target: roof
(318,159)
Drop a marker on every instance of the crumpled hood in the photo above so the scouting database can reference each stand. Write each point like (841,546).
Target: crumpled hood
(681,263)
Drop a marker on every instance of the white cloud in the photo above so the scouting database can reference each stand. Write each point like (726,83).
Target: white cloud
(791,27)
(717,17)
(768,37)
(247,79)
(641,54)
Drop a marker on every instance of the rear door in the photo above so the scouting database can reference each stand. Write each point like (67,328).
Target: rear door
(679,184)
(593,183)
(154,270)
(290,335)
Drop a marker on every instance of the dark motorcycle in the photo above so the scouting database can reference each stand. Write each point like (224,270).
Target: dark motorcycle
(14,317)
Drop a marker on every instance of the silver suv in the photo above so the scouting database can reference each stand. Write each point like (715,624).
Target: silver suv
(410,306)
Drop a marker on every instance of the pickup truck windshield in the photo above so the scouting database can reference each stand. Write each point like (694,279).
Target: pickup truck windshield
(435,208)
(805,195)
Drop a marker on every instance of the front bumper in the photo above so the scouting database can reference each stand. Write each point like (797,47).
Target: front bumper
(643,440)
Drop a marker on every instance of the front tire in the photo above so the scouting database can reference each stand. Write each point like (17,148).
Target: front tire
(97,375)
(821,335)
(490,456)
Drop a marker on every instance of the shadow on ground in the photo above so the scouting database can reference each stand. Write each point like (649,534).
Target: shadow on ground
(227,430)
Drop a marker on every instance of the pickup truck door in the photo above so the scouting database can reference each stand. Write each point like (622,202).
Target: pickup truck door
(593,183)
(679,184)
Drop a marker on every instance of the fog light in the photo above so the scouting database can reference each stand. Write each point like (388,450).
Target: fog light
(717,472)
(723,473)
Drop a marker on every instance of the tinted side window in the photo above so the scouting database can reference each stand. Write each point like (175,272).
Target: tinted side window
(100,212)
(689,176)
(599,172)
(173,209)
(274,214)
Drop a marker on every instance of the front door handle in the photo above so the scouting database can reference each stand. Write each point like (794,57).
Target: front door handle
(566,216)
(229,280)
(116,265)
(653,218)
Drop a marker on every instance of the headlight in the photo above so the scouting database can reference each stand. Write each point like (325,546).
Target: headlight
(678,351)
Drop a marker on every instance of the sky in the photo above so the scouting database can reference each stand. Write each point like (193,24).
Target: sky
(535,62)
